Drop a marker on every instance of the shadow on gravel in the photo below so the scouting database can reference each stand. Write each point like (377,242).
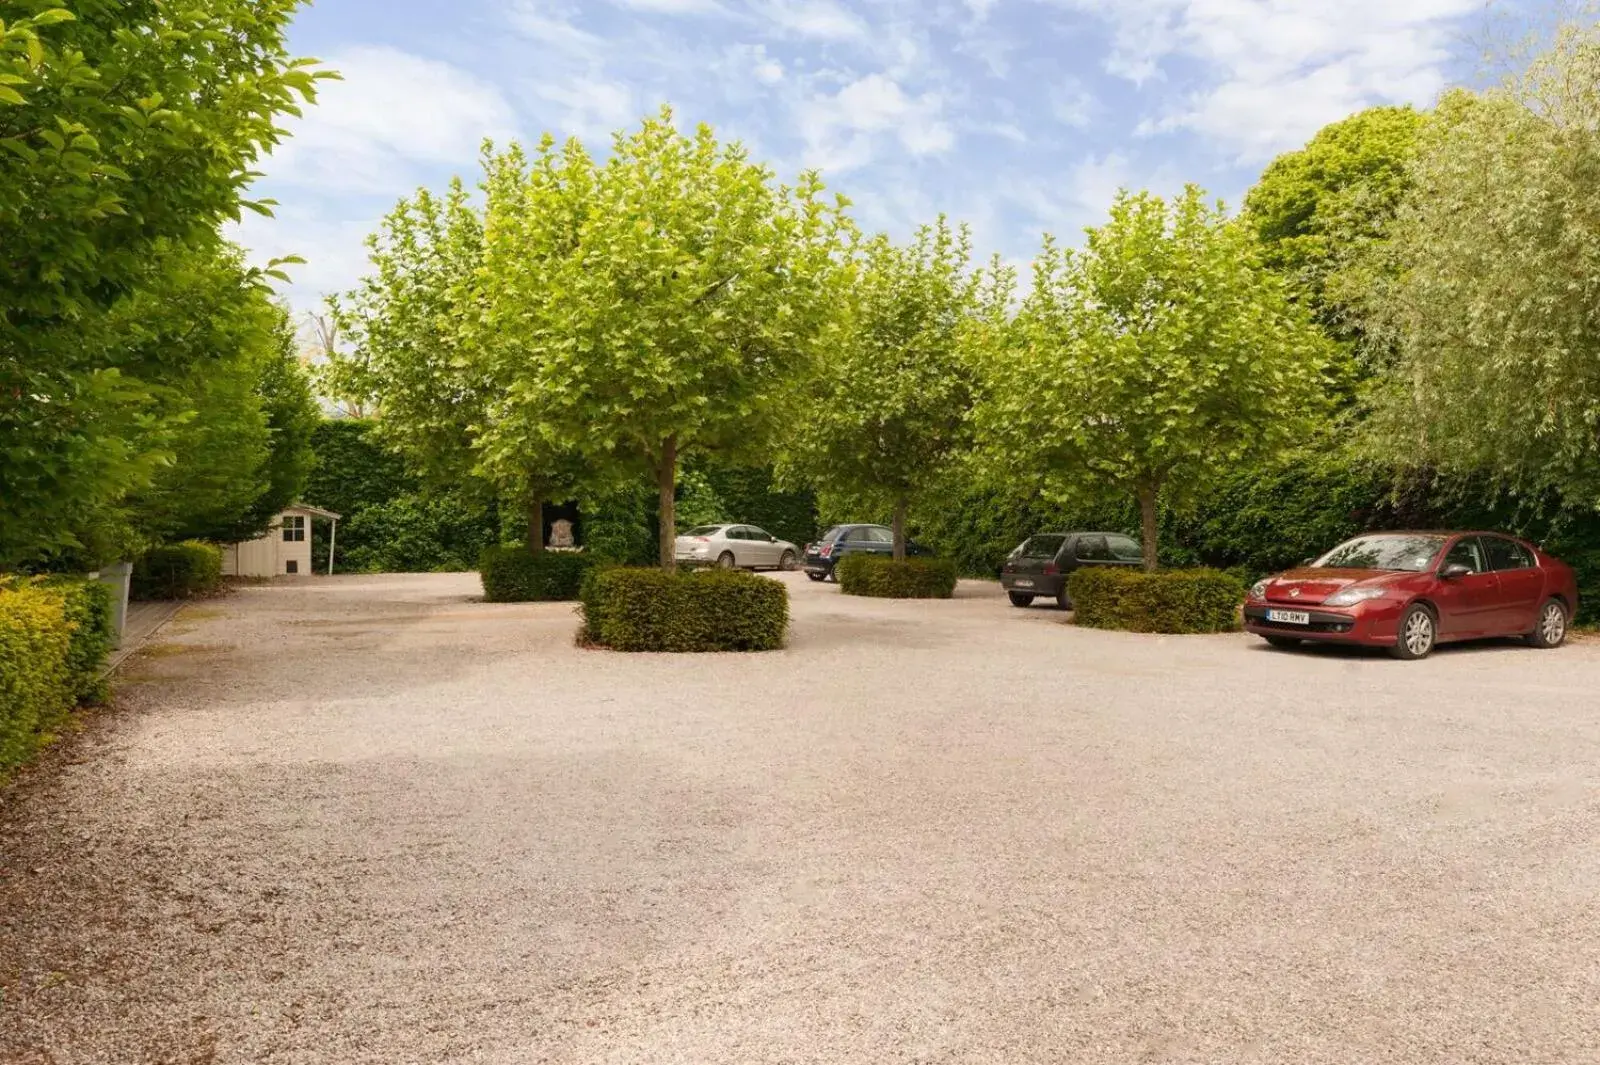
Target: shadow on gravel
(1347,651)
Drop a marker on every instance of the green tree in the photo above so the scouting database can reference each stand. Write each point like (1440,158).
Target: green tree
(1151,362)
(125,125)
(1316,208)
(230,406)
(653,307)
(887,414)
(418,347)
(1491,292)
(1343,186)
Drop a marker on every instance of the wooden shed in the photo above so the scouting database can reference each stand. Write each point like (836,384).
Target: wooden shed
(285,548)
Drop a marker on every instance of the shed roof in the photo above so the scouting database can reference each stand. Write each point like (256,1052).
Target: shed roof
(316,512)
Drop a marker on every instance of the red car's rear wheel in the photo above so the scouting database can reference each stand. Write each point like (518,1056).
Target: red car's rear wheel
(1552,628)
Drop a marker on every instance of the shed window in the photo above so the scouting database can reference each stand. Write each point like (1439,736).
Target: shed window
(292,566)
(294,528)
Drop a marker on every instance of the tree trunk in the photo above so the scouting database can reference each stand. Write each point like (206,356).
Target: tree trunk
(1149,528)
(667,481)
(900,530)
(536,523)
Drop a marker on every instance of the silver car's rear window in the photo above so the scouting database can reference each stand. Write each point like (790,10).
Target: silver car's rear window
(705,530)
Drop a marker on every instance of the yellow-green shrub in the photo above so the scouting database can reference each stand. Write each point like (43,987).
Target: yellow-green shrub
(36,681)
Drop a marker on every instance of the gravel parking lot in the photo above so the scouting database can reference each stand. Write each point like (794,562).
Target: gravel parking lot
(368,820)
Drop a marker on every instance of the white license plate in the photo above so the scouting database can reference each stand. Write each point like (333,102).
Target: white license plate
(1023,583)
(1289,617)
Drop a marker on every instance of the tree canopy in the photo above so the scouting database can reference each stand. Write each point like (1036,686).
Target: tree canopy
(1151,362)
(1490,288)
(654,306)
(1315,209)
(127,128)
(889,409)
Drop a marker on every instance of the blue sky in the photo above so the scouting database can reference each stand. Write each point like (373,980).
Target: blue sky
(1017,116)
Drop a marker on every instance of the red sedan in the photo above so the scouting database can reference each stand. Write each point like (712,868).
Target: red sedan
(1410,591)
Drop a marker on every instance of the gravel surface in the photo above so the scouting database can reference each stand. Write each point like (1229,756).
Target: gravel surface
(368,820)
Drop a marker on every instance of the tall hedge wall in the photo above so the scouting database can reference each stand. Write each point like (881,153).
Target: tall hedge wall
(391,521)
(1273,517)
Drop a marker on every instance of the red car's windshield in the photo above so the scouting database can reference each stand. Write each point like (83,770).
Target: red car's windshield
(1406,553)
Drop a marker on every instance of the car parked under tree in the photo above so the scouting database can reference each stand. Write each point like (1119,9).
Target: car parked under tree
(1411,591)
(842,540)
(1039,566)
(735,546)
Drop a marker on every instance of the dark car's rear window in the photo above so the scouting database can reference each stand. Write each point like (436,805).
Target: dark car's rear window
(835,532)
(1043,546)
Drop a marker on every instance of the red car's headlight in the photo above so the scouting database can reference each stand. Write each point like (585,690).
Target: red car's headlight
(1352,596)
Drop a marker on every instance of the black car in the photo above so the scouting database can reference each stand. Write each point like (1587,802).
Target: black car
(1040,565)
(844,540)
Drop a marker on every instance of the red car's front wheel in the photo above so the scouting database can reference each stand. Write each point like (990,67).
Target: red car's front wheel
(1419,631)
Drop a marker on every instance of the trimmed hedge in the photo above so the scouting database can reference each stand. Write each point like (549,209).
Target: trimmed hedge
(711,610)
(513,574)
(1171,601)
(54,636)
(177,571)
(884,578)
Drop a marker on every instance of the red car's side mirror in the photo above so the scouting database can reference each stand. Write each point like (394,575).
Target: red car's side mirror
(1455,571)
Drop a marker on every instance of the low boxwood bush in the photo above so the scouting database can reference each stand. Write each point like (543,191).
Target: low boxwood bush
(712,610)
(177,571)
(54,635)
(884,578)
(1171,601)
(513,574)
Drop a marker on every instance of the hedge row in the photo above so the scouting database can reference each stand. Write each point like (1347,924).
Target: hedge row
(1265,518)
(54,635)
(177,571)
(884,578)
(1171,601)
(513,574)
(713,610)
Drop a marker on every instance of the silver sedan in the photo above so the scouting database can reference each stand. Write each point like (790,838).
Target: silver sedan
(742,546)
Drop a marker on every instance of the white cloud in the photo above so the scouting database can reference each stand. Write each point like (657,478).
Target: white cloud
(1072,105)
(553,28)
(1280,69)
(1066,206)
(332,243)
(673,7)
(842,131)
(591,108)
(825,19)
(392,110)
(751,61)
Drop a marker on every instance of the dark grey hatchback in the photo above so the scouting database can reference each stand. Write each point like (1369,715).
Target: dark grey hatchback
(1040,565)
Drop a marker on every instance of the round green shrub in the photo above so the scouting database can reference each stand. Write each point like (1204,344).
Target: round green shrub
(712,610)
(177,571)
(513,574)
(1171,601)
(884,578)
